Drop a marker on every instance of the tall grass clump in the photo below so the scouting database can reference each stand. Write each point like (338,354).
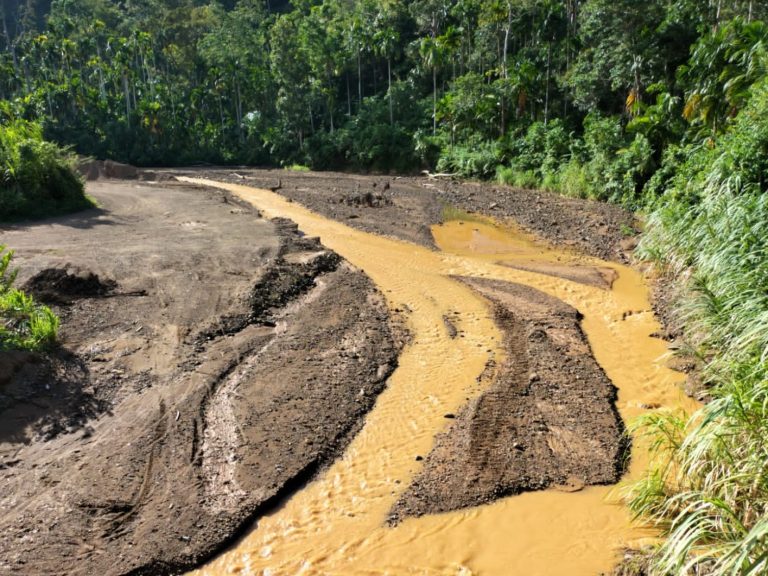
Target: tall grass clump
(24,324)
(37,178)
(708,489)
(473,160)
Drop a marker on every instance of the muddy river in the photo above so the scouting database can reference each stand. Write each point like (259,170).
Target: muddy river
(337,524)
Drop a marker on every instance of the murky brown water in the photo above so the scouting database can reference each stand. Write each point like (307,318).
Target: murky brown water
(335,526)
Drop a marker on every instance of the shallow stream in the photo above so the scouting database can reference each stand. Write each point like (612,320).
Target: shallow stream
(336,524)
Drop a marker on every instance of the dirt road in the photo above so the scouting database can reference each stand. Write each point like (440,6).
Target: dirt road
(211,361)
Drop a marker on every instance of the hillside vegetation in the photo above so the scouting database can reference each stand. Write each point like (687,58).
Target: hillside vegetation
(37,178)
(661,106)
(582,96)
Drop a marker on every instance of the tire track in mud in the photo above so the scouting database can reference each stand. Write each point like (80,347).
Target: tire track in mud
(337,524)
(547,417)
(126,490)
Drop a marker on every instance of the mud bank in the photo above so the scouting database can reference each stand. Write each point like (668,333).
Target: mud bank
(546,419)
(338,523)
(218,360)
(212,361)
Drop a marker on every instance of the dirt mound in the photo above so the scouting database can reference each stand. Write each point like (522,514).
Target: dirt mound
(548,418)
(63,285)
(42,397)
(368,199)
(120,171)
(90,169)
(93,170)
(291,275)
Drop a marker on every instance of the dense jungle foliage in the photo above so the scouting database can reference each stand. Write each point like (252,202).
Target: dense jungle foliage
(581,96)
(660,105)
(37,178)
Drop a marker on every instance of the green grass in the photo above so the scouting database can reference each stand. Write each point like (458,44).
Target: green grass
(708,487)
(519,178)
(24,324)
(298,168)
(708,490)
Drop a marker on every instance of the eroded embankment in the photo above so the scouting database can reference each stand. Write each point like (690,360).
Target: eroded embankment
(337,525)
(216,362)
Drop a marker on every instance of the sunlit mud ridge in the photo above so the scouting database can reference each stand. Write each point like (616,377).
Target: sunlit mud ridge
(547,417)
(337,524)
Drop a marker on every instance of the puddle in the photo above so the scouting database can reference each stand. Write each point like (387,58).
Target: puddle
(335,526)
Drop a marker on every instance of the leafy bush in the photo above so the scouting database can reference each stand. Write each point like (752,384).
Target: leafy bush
(606,164)
(325,151)
(24,324)
(470,108)
(540,153)
(470,160)
(368,141)
(37,178)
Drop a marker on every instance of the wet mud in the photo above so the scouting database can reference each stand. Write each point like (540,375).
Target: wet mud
(406,207)
(546,419)
(211,362)
(219,368)
(457,375)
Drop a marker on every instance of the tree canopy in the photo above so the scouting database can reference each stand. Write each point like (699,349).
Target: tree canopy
(472,87)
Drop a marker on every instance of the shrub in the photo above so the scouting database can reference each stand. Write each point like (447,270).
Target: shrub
(519,178)
(470,160)
(367,141)
(37,178)
(540,152)
(24,324)
(573,180)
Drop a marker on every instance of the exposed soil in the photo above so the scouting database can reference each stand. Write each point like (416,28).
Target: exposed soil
(62,286)
(211,363)
(406,207)
(546,419)
(667,292)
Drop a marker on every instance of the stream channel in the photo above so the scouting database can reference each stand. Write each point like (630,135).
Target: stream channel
(336,525)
